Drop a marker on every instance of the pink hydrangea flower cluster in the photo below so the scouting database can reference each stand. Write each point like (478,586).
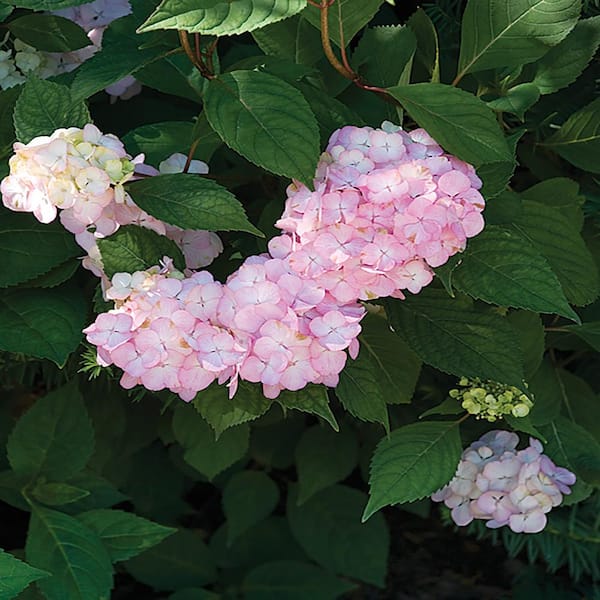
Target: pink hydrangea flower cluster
(266,325)
(82,172)
(387,206)
(505,486)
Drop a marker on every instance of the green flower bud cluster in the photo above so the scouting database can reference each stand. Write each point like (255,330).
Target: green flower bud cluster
(491,400)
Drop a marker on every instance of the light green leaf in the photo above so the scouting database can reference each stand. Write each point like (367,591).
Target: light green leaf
(508,34)
(502,267)
(398,366)
(266,120)
(559,241)
(457,337)
(412,462)
(350,15)
(181,560)
(293,580)
(134,248)
(328,525)
(45,323)
(222,412)
(124,534)
(311,399)
(54,438)
(248,497)
(44,106)
(65,547)
(58,494)
(517,100)
(324,457)
(578,140)
(461,123)
(563,64)
(49,33)
(190,202)
(202,451)
(360,390)
(427,55)
(30,248)
(220,17)
(16,575)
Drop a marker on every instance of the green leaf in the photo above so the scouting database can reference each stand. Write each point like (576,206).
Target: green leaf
(222,412)
(124,534)
(427,54)
(273,443)
(8,99)
(324,457)
(102,493)
(502,267)
(159,140)
(398,366)
(46,4)
(461,123)
(559,240)
(509,34)
(456,337)
(578,140)
(347,15)
(590,332)
(16,575)
(360,390)
(31,248)
(207,455)
(49,33)
(41,322)
(248,497)
(266,120)
(190,202)
(55,276)
(181,560)
(547,392)
(220,17)
(517,100)
(44,106)
(571,446)
(561,194)
(563,64)
(58,494)
(311,399)
(194,594)
(412,462)
(65,547)
(134,248)
(54,438)
(292,580)
(529,328)
(328,525)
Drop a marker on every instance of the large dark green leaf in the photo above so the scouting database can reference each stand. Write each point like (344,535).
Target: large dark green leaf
(49,32)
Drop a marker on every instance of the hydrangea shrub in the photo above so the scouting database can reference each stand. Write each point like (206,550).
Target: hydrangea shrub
(275,270)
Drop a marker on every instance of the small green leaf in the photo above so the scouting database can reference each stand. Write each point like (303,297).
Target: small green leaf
(124,534)
(159,140)
(266,120)
(181,560)
(509,34)
(563,64)
(58,494)
(427,54)
(220,17)
(578,140)
(65,547)
(292,580)
(503,267)
(413,462)
(54,438)
(311,399)
(517,100)
(190,202)
(44,106)
(248,497)
(461,123)
(31,248)
(16,575)
(134,248)
(360,390)
(328,525)
(45,323)
(207,455)
(324,457)
(49,33)
(456,337)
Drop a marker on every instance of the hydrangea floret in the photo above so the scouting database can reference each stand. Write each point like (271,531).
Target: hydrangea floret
(501,485)
(491,400)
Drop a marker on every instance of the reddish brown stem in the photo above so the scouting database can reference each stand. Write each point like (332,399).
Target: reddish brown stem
(190,155)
